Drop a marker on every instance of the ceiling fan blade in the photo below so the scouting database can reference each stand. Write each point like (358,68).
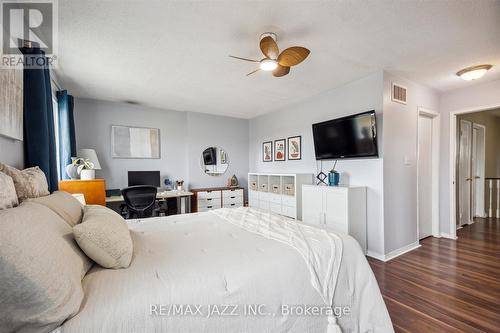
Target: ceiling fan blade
(281,71)
(269,47)
(293,56)
(240,58)
(258,69)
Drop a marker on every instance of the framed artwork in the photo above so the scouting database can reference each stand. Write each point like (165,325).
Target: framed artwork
(279,149)
(135,142)
(11,103)
(295,148)
(267,151)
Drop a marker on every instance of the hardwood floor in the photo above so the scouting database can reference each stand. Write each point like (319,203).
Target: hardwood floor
(446,285)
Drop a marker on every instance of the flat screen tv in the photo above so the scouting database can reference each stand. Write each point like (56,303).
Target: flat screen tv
(354,136)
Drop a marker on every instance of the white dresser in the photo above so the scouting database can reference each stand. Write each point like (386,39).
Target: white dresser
(339,208)
(205,199)
(278,193)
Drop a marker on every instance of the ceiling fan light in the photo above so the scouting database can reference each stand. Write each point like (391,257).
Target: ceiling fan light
(474,72)
(268,64)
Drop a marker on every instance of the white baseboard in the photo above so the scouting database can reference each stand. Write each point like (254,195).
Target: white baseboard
(375,255)
(445,235)
(393,254)
(402,250)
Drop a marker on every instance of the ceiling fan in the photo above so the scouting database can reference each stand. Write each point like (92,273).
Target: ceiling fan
(278,63)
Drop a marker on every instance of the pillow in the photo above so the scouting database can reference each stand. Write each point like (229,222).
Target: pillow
(29,183)
(64,204)
(104,236)
(8,196)
(41,269)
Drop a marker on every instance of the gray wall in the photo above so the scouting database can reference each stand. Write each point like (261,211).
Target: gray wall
(361,95)
(231,134)
(183,135)
(11,152)
(400,144)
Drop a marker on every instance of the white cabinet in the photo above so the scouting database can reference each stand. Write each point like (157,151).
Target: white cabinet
(217,197)
(278,193)
(340,208)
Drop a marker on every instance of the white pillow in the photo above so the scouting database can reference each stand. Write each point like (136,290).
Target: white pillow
(8,196)
(104,237)
(41,270)
(29,183)
(64,204)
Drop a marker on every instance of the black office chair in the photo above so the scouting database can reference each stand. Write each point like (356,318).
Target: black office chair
(140,200)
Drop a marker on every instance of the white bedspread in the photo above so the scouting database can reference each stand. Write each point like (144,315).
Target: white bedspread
(220,277)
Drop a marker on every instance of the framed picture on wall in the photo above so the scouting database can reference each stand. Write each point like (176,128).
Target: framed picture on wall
(267,151)
(135,142)
(279,149)
(295,148)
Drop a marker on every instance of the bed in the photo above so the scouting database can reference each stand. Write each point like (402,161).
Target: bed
(204,272)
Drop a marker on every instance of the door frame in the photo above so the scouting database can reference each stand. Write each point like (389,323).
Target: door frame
(483,167)
(453,161)
(435,117)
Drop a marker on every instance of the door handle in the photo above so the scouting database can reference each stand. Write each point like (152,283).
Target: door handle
(468,179)
(477,177)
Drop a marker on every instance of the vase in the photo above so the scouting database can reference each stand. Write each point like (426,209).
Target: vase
(87,174)
(333,178)
(72,171)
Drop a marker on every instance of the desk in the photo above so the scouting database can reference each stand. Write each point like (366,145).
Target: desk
(183,202)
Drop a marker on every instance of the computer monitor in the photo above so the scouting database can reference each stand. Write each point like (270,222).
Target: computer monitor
(144,178)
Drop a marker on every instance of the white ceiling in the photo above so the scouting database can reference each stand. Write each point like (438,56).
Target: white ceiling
(174,54)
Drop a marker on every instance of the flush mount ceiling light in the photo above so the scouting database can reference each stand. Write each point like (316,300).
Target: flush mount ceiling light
(474,72)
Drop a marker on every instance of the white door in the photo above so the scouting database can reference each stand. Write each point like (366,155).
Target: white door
(478,164)
(464,173)
(425,176)
(312,205)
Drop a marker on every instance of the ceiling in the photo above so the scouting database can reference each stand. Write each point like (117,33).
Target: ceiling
(174,54)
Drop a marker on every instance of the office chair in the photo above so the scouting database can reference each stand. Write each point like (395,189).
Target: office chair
(140,200)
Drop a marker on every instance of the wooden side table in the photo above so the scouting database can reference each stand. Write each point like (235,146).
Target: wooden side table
(93,190)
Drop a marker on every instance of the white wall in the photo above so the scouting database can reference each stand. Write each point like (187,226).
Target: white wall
(400,144)
(11,152)
(358,96)
(183,136)
(478,97)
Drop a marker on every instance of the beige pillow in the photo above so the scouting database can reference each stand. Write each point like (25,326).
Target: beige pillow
(104,236)
(41,270)
(64,204)
(8,196)
(29,183)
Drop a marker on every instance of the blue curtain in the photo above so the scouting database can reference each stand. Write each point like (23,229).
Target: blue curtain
(67,142)
(39,136)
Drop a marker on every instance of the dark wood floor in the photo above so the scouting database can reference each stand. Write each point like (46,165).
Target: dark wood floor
(446,285)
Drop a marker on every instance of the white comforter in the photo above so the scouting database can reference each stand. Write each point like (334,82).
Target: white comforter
(201,273)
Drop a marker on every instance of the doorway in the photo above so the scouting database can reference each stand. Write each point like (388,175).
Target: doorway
(428,174)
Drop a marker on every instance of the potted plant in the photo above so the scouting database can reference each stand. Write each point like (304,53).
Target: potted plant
(85,168)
